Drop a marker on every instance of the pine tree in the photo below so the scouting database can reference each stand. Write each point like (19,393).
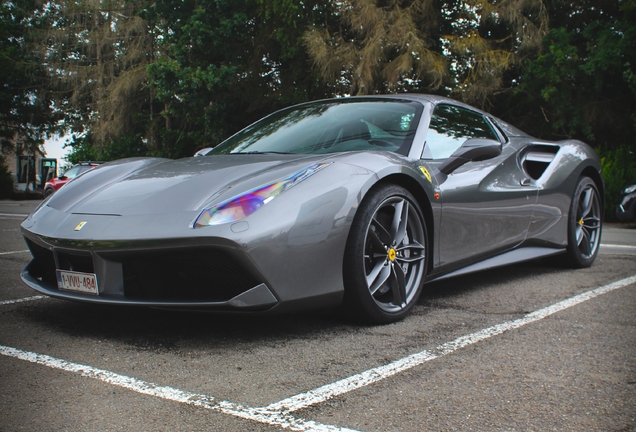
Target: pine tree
(463,46)
(97,53)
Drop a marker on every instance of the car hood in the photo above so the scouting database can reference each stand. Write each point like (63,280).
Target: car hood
(156,186)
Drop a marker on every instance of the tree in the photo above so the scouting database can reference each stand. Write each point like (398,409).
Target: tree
(583,81)
(371,46)
(26,116)
(486,41)
(226,64)
(583,86)
(96,54)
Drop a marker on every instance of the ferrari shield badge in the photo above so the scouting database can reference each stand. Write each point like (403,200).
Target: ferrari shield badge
(80,225)
(426,173)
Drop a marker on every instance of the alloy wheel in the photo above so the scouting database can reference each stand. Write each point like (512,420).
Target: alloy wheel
(394,254)
(588,222)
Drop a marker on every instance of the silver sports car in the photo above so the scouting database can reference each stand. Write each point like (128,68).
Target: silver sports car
(354,202)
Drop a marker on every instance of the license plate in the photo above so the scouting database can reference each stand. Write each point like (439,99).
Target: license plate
(79,282)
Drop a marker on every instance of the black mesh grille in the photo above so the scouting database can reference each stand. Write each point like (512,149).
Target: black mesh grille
(76,262)
(43,265)
(206,275)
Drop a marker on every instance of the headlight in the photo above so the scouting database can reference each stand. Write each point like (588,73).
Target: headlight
(629,189)
(241,206)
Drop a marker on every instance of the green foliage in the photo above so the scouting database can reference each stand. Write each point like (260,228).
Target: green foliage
(454,47)
(582,84)
(96,54)
(226,64)
(26,116)
(82,149)
(619,171)
(555,76)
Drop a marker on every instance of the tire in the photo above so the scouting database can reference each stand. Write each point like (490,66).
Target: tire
(48,192)
(385,257)
(584,224)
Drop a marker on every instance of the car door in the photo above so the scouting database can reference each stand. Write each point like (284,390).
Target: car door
(486,205)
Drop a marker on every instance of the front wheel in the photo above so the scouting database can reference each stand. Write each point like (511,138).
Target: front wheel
(385,257)
(584,224)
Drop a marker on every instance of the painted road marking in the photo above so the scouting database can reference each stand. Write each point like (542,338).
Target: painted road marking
(279,413)
(618,246)
(22,300)
(373,375)
(13,252)
(13,215)
(169,393)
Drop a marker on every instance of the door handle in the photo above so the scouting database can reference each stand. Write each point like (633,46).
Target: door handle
(526,182)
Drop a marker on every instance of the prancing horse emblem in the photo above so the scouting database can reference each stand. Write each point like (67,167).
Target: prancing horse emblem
(80,225)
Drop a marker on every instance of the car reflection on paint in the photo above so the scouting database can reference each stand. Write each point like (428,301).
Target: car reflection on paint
(54,184)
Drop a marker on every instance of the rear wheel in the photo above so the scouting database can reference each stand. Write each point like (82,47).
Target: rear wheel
(584,224)
(48,192)
(385,258)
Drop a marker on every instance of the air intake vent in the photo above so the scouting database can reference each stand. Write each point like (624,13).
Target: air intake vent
(79,262)
(43,265)
(206,275)
(535,159)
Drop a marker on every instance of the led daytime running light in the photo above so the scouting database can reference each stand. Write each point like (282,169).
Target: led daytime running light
(243,205)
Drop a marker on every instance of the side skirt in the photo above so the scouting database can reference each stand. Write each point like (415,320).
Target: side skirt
(512,257)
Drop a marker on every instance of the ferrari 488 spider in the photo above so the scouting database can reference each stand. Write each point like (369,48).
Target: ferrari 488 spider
(354,202)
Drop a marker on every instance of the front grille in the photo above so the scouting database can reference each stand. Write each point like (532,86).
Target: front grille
(204,275)
(43,265)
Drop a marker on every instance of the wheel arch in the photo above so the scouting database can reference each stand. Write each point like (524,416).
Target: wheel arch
(596,177)
(48,190)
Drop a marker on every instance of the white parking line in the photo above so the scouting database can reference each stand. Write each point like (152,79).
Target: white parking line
(13,215)
(169,393)
(13,252)
(25,299)
(371,376)
(279,413)
(618,246)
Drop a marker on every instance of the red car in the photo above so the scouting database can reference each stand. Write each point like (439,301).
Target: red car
(54,184)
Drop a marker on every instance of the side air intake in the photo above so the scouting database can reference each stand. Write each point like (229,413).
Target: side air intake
(535,159)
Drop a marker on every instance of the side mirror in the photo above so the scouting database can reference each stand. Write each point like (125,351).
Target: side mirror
(472,150)
(62,177)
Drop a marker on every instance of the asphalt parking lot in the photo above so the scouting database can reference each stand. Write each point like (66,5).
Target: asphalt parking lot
(525,347)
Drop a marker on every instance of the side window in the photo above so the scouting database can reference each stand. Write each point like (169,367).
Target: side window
(451,126)
(72,173)
(83,169)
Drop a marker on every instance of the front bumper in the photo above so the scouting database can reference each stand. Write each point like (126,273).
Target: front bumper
(214,277)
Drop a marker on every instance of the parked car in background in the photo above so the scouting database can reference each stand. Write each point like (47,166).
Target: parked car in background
(626,210)
(54,184)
